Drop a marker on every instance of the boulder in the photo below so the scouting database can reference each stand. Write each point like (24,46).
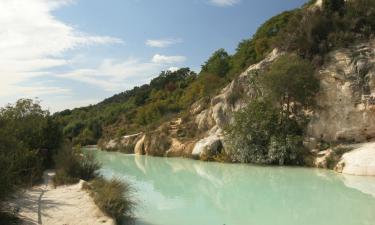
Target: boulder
(323,158)
(207,147)
(360,161)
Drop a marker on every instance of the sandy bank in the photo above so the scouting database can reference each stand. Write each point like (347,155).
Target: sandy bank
(65,205)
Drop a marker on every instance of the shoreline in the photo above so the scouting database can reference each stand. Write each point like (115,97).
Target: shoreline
(356,162)
(68,204)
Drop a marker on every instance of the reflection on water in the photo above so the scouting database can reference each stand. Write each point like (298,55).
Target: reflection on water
(187,192)
(364,184)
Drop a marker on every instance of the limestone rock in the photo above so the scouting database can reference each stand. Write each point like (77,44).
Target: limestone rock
(360,161)
(139,146)
(346,100)
(322,159)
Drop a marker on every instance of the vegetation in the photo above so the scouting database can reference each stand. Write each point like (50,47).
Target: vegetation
(169,94)
(113,197)
(312,33)
(270,130)
(72,165)
(28,140)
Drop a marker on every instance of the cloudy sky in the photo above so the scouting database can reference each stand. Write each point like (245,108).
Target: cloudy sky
(72,53)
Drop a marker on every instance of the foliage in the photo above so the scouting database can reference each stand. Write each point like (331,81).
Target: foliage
(28,140)
(114,197)
(131,110)
(333,5)
(72,165)
(338,24)
(257,136)
(290,79)
(309,32)
(270,130)
(217,64)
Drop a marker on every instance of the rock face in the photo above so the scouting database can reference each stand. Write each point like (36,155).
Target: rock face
(208,147)
(360,161)
(124,144)
(345,112)
(322,159)
(139,146)
(219,112)
(346,101)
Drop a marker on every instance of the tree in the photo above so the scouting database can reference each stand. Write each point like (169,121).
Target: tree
(290,81)
(28,139)
(217,64)
(257,136)
(333,5)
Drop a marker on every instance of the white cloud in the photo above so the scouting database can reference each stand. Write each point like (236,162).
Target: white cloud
(112,75)
(163,59)
(173,69)
(32,40)
(223,3)
(162,43)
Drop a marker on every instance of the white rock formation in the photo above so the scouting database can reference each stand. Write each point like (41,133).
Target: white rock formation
(360,161)
(209,146)
(139,146)
(346,101)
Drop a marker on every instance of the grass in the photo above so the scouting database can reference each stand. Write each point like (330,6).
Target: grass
(72,166)
(113,197)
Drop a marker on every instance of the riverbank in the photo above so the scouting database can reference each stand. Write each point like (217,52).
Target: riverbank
(171,190)
(45,204)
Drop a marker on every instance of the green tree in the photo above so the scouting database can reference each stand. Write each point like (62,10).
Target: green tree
(257,135)
(290,79)
(333,5)
(28,139)
(217,64)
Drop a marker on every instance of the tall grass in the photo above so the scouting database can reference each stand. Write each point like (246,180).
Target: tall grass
(113,197)
(72,165)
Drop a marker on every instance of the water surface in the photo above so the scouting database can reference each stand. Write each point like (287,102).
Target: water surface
(188,192)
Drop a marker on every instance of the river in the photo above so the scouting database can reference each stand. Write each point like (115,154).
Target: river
(187,192)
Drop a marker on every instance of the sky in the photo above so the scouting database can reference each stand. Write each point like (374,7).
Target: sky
(72,53)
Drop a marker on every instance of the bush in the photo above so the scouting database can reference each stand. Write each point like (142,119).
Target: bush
(258,135)
(114,197)
(72,165)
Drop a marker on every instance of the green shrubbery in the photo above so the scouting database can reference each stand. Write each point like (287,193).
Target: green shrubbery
(270,129)
(313,33)
(114,197)
(28,140)
(72,165)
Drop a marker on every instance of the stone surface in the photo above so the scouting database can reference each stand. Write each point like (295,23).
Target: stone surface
(321,161)
(139,146)
(346,101)
(360,161)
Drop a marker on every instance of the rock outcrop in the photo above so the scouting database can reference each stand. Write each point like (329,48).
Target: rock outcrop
(345,113)
(360,161)
(346,101)
(123,144)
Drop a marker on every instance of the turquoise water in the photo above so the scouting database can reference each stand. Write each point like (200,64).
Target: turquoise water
(188,192)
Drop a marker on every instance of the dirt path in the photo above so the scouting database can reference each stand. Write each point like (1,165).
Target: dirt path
(65,205)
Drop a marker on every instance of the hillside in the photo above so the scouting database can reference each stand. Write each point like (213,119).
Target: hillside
(302,85)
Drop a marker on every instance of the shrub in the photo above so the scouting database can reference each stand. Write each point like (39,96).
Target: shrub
(217,64)
(72,165)
(114,197)
(259,135)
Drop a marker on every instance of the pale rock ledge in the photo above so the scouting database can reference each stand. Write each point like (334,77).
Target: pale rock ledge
(360,161)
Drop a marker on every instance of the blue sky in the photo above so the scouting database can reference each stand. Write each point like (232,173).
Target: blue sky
(72,53)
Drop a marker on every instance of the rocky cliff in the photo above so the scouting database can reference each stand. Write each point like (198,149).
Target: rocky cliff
(345,111)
